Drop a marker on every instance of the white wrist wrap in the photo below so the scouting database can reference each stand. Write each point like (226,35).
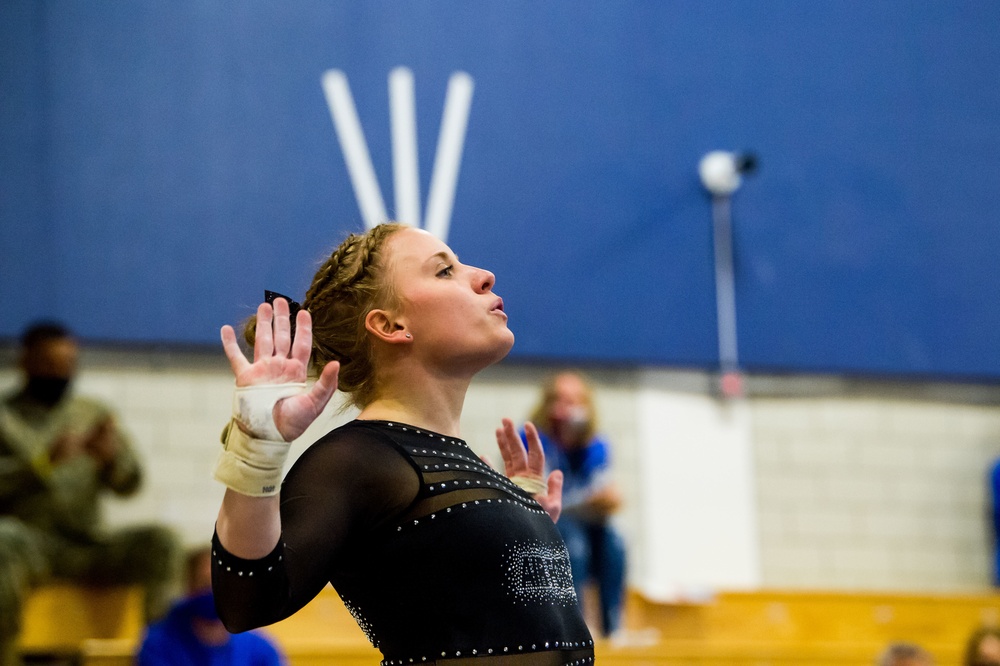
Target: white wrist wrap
(252,464)
(253,407)
(530,484)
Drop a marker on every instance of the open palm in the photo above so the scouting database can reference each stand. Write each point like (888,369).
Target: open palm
(530,464)
(278,359)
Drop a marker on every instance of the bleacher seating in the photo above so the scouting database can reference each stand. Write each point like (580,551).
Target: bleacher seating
(758,628)
(809,628)
(60,617)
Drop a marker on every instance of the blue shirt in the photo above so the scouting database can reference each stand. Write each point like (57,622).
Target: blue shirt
(171,642)
(586,469)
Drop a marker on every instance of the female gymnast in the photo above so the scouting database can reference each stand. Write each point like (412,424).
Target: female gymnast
(438,557)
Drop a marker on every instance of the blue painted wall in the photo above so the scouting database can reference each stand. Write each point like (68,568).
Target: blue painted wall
(163,163)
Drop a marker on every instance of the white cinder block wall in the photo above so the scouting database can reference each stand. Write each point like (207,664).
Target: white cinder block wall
(874,493)
(858,486)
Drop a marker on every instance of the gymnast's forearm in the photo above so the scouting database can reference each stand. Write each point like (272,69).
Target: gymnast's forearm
(249,527)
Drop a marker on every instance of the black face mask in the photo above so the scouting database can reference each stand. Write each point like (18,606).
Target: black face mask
(47,390)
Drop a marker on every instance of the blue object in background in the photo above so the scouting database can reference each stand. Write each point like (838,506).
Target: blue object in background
(163,164)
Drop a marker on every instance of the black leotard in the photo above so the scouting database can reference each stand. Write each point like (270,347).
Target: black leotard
(436,555)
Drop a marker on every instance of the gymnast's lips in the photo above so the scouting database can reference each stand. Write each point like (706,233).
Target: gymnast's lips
(498,307)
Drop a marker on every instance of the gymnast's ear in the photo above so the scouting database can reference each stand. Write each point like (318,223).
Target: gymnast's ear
(384,327)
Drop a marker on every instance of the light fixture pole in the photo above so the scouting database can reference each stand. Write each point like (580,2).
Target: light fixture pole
(721,174)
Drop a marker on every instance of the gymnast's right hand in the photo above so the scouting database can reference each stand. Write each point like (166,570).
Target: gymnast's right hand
(277,359)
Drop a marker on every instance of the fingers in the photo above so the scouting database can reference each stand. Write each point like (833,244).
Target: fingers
(511,448)
(508,461)
(263,346)
(554,495)
(555,484)
(273,336)
(323,389)
(302,344)
(237,361)
(536,456)
(282,328)
(510,433)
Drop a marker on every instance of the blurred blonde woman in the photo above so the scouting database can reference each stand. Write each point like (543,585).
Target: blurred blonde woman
(567,425)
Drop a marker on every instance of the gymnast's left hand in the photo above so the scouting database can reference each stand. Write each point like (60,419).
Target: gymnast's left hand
(530,464)
(278,359)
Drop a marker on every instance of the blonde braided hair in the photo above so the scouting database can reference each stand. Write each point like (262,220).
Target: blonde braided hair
(350,284)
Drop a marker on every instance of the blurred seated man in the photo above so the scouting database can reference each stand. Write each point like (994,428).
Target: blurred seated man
(193,635)
(983,648)
(904,654)
(58,454)
(567,424)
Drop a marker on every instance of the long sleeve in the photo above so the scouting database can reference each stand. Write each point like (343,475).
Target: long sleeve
(17,475)
(23,461)
(64,496)
(123,475)
(341,488)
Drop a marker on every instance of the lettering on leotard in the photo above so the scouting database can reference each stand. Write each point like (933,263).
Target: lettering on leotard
(539,573)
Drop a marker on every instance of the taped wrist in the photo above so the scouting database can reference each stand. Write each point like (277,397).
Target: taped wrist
(250,466)
(254,452)
(530,484)
(253,407)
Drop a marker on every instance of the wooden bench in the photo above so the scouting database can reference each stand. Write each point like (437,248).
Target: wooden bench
(759,628)
(59,618)
(807,627)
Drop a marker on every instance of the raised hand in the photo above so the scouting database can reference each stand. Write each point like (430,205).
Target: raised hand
(66,447)
(102,442)
(530,465)
(277,359)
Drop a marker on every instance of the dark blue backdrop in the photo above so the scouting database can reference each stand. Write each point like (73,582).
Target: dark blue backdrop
(162,163)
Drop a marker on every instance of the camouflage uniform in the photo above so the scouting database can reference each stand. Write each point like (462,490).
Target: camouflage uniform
(50,519)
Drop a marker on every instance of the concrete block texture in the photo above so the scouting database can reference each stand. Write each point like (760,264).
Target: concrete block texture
(858,485)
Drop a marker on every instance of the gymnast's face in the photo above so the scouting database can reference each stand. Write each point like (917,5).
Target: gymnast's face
(454,320)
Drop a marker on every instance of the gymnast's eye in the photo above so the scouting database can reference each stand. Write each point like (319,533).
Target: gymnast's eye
(446,271)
